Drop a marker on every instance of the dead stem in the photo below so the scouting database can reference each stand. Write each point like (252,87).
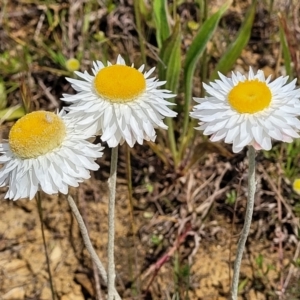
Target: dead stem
(292,268)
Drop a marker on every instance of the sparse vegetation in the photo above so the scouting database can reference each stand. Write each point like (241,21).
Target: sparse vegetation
(177,238)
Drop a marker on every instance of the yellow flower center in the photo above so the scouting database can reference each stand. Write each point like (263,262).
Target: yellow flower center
(250,96)
(119,83)
(72,64)
(36,134)
(296,185)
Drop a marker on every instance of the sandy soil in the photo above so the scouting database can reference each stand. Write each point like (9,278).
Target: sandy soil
(23,272)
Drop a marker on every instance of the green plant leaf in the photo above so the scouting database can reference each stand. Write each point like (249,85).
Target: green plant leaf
(285,47)
(146,11)
(170,55)
(12,113)
(235,48)
(194,53)
(243,284)
(169,70)
(3,95)
(160,11)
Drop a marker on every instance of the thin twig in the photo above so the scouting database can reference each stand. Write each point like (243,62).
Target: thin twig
(47,93)
(111,224)
(247,224)
(292,268)
(283,201)
(40,210)
(87,242)
(39,26)
(154,268)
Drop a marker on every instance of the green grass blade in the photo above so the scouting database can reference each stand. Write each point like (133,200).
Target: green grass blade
(160,11)
(170,55)
(3,95)
(12,113)
(138,22)
(285,47)
(169,70)
(235,49)
(194,53)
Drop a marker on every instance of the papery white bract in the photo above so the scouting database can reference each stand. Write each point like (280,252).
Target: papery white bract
(34,160)
(119,102)
(249,110)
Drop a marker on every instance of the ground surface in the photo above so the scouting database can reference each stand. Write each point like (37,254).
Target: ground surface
(185,223)
(206,247)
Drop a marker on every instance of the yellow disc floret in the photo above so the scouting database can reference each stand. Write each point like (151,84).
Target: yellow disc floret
(250,96)
(119,83)
(72,64)
(36,134)
(296,185)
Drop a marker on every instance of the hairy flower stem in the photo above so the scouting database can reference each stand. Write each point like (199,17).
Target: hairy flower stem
(111,273)
(40,210)
(247,224)
(87,242)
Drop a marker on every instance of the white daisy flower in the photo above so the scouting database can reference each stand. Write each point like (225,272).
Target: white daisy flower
(45,151)
(249,110)
(120,102)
